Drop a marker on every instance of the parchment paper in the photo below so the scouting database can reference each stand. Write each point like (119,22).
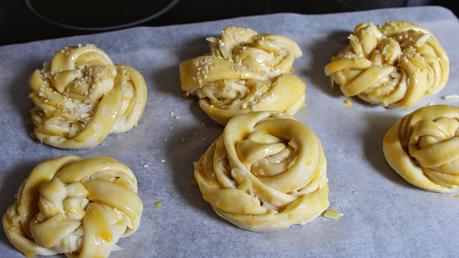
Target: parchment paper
(383,215)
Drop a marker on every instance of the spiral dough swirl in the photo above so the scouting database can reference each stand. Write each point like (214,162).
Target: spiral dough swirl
(266,172)
(395,64)
(423,147)
(80,97)
(80,207)
(245,72)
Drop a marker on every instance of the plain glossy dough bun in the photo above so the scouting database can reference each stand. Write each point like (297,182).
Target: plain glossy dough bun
(423,147)
(395,64)
(245,72)
(266,172)
(73,206)
(81,97)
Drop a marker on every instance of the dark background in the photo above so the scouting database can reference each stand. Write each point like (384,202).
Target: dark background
(18,23)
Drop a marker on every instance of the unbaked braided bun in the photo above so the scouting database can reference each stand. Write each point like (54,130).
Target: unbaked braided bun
(395,64)
(80,97)
(266,172)
(245,72)
(423,147)
(79,207)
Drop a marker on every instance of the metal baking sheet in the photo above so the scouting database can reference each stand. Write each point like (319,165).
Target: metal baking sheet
(383,215)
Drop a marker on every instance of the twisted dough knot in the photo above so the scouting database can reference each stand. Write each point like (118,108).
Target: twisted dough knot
(266,172)
(423,147)
(244,72)
(395,64)
(80,97)
(80,207)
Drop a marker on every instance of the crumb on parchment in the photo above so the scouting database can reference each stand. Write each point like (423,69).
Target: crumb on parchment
(347,102)
(332,214)
(453,97)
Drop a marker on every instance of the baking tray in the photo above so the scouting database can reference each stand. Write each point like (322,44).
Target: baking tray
(383,215)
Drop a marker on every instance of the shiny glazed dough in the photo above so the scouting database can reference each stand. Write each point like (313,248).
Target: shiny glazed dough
(423,147)
(80,97)
(245,72)
(266,172)
(80,207)
(395,64)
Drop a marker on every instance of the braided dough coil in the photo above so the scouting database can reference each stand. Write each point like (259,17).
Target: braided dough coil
(395,64)
(81,97)
(245,72)
(423,147)
(266,172)
(80,207)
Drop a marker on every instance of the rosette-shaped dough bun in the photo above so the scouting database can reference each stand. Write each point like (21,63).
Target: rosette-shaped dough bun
(80,97)
(423,147)
(395,64)
(79,207)
(245,72)
(266,172)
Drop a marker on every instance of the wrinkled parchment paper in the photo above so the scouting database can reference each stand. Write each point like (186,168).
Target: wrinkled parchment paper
(383,215)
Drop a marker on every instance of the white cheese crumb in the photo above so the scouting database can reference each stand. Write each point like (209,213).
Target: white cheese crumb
(163,161)
(171,114)
(146,165)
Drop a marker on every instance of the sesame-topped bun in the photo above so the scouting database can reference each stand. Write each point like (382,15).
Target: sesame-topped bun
(245,72)
(395,64)
(80,97)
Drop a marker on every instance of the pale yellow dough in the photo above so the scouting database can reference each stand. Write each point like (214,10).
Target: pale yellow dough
(81,97)
(423,147)
(79,207)
(245,72)
(266,172)
(395,64)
